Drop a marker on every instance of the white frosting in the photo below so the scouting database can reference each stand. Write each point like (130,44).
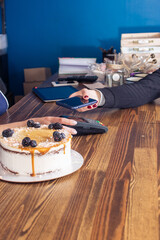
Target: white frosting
(48,154)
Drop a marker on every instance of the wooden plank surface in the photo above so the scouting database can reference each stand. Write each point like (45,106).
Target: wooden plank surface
(114,196)
(142,214)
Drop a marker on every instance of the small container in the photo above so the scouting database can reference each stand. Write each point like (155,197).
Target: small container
(114,78)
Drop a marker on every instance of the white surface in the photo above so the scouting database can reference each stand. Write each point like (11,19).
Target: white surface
(64,83)
(75,65)
(76,162)
(22,163)
(133,79)
(140,49)
(77,61)
(94,85)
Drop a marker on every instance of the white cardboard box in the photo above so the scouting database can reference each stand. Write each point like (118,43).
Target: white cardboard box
(141,44)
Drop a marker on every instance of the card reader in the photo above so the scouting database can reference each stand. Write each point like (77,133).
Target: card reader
(86,126)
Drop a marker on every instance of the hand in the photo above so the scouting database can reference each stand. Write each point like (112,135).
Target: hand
(43,120)
(85,94)
(49,119)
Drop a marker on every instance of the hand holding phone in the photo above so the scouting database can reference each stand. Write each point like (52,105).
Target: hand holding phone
(75,102)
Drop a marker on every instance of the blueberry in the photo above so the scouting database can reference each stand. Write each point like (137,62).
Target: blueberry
(30,123)
(51,126)
(63,135)
(7,132)
(33,143)
(26,142)
(37,125)
(57,136)
(56,125)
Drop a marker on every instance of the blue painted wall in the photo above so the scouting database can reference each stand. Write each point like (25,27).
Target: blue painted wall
(40,31)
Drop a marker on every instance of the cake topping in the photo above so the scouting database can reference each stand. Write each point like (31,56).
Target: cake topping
(63,135)
(7,132)
(57,136)
(56,126)
(37,125)
(43,136)
(31,123)
(26,142)
(33,143)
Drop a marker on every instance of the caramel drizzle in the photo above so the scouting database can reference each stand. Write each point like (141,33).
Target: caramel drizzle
(64,150)
(33,168)
(42,151)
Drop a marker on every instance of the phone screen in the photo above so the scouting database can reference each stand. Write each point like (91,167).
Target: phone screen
(75,102)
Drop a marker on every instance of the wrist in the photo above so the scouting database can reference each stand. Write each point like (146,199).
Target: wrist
(101,99)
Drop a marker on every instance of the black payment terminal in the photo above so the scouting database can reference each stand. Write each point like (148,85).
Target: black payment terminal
(86,126)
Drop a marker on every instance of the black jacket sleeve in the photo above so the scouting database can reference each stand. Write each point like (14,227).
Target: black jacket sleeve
(134,94)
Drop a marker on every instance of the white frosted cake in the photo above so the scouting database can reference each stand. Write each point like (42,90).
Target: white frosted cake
(43,153)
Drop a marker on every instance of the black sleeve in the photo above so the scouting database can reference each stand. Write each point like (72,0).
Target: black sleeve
(134,94)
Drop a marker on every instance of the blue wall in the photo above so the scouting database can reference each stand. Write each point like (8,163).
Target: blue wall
(40,31)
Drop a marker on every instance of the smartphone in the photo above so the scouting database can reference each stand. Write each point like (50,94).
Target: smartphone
(75,102)
(64,83)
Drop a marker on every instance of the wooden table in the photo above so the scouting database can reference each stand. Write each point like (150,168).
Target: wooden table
(115,195)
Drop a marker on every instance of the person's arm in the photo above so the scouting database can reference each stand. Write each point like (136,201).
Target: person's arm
(3,103)
(124,96)
(42,120)
(133,95)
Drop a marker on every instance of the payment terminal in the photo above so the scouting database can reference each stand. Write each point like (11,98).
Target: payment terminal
(86,126)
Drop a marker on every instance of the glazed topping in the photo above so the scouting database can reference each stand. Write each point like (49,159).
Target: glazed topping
(37,125)
(7,132)
(33,143)
(56,126)
(43,137)
(63,135)
(26,142)
(58,136)
(31,123)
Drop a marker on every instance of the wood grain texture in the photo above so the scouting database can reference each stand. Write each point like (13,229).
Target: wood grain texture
(114,196)
(142,214)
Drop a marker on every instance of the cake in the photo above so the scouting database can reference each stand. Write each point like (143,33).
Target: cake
(35,149)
